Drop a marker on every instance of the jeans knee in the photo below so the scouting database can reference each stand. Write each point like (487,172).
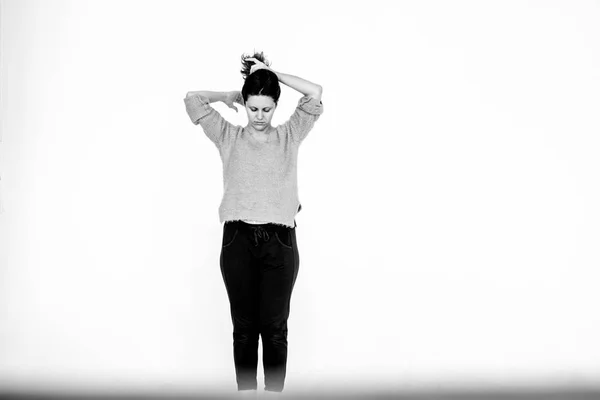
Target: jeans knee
(245,336)
(275,335)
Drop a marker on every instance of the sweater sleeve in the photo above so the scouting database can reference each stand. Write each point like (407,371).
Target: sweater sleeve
(304,117)
(201,113)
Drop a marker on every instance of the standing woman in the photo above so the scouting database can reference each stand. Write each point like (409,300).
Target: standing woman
(259,254)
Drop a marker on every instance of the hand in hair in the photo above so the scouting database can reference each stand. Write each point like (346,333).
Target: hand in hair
(257,65)
(249,62)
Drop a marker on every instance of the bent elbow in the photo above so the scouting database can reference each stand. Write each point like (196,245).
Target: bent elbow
(318,93)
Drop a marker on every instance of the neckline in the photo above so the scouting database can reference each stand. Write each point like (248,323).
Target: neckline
(269,136)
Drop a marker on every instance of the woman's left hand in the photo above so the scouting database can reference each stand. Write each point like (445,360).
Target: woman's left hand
(257,65)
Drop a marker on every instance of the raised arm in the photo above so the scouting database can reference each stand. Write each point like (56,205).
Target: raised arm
(198,107)
(302,85)
(226,97)
(305,87)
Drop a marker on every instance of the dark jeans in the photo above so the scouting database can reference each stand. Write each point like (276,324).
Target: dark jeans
(259,264)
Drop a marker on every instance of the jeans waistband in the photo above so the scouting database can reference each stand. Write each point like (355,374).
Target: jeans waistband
(260,231)
(271,227)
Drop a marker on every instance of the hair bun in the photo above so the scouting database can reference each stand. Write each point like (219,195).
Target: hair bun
(247,64)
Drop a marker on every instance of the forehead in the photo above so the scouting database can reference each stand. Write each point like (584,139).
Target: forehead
(260,101)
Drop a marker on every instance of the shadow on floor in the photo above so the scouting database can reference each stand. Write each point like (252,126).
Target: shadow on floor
(473,394)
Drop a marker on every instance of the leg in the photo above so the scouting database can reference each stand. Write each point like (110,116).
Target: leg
(279,270)
(241,281)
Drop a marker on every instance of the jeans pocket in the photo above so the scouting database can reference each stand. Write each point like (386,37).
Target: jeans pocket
(284,239)
(229,235)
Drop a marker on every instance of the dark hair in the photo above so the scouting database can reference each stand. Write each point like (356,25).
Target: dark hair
(261,82)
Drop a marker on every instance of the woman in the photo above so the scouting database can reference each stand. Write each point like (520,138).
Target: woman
(259,255)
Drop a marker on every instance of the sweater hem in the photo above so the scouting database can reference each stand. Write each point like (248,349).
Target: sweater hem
(273,223)
(278,221)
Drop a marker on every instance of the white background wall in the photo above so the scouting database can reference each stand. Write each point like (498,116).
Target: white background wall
(450,190)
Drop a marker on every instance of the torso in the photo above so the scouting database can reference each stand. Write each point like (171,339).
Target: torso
(263,137)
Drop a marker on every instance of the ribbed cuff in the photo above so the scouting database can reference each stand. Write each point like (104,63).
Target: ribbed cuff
(311,105)
(197,107)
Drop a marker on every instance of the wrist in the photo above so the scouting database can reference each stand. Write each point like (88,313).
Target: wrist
(276,73)
(237,97)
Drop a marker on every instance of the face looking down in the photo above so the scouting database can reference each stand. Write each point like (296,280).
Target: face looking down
(260,110)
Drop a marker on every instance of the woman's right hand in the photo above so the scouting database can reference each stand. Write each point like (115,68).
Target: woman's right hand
(231,98)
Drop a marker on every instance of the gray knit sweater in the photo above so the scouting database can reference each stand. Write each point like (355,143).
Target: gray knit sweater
(259,178)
